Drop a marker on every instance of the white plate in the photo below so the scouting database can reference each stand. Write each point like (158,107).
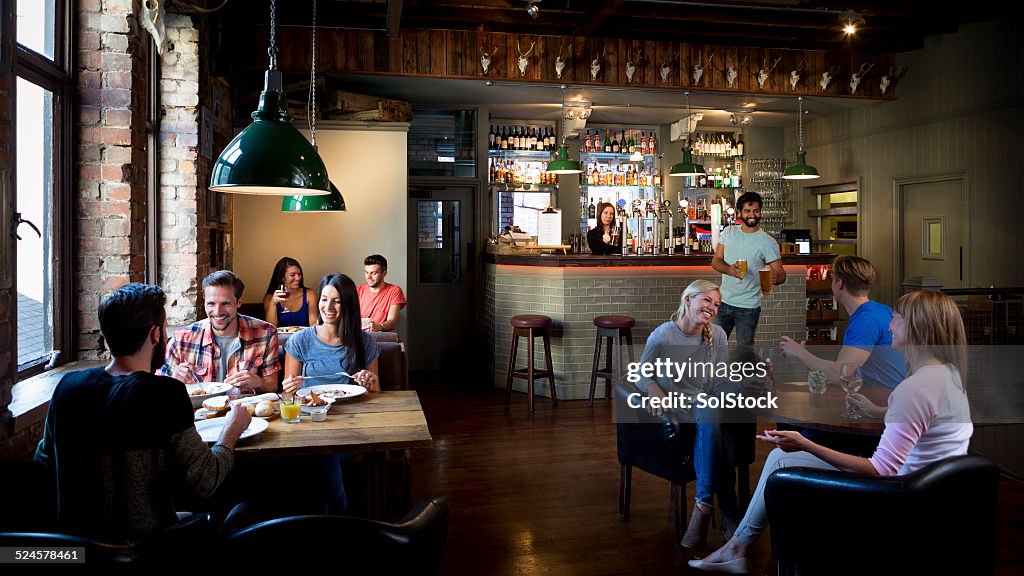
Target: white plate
(289,329)
(212,389)
(348,390)
(210,430)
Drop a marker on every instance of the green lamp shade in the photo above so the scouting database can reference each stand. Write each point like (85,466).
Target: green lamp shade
(687,166)
(800,170)
(333,202)
(270,156)
(563,165)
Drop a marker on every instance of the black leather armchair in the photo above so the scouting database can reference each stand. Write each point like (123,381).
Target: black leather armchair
(940,519)
(663,446)
(164,548)
(413,545)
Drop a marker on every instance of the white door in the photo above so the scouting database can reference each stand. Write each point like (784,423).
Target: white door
(934,231)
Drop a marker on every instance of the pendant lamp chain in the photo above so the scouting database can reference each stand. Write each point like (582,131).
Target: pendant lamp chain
(312,112)
(272,50)
(800,121)
(562,116)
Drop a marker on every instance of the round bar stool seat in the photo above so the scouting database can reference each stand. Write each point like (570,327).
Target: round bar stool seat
(531,321)
(530,326)
(610,327)
(614,322)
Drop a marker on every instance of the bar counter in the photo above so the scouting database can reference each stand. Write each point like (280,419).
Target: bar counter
(573,289)
(589,260)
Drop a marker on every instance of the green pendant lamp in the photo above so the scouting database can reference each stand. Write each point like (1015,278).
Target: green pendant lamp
(800,170)
(333,202)
(270,157)
(687,167)
(563,164)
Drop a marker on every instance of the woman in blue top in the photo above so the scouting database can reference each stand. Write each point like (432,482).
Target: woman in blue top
(336,344)
(289,307)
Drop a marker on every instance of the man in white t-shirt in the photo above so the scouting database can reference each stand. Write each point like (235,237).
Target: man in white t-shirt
(741,293)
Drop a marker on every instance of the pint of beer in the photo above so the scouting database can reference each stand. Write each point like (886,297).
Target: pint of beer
(766,280)
(743,267)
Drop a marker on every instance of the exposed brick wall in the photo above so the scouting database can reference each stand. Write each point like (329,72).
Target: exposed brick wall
(110,121)
(182,200)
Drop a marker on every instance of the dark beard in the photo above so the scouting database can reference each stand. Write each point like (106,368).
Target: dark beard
(752,225)
(159,351)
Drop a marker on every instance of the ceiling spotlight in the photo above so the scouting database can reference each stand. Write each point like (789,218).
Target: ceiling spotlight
(733,120)
(850,20)
(747,119)
(532,10)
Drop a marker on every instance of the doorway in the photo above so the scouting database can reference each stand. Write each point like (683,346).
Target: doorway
(441,286)
(932,228)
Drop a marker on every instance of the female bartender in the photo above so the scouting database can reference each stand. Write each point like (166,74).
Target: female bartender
(601,238)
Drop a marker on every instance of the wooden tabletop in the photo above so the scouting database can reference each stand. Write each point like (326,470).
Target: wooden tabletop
(822,411)
(371,422)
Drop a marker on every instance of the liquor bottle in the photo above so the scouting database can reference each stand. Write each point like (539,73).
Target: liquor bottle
(585,145)
(607,142)
(615,144)
(653,143)
(657,177)
(591,209)
(739,147)
(644,149)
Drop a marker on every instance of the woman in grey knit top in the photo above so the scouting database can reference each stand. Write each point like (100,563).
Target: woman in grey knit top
(690,351)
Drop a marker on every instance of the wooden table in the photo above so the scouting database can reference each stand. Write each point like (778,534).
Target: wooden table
(372,422)
(799,407)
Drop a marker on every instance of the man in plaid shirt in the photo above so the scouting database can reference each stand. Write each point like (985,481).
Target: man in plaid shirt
(226,346)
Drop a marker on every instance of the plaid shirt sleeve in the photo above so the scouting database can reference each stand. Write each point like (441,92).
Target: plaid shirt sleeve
(271,357)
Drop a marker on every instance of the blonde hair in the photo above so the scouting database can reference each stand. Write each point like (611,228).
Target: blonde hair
(932,324)
(697,287)
(857,274)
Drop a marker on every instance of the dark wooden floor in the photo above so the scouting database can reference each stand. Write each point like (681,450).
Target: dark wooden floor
(537,494)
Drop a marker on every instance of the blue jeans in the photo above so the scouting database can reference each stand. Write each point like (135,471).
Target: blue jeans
(744,319)
(714,461)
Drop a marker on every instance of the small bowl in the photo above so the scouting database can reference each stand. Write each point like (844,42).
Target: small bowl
(307,409)
(211,389)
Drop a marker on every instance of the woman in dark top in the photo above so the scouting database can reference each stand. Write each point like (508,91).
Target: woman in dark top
(601,237)
(289,307)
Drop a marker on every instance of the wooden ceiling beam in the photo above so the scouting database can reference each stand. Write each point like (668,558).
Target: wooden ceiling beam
(394,17)
(604,12)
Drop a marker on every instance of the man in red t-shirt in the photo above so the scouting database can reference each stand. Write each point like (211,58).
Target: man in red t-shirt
(378,300)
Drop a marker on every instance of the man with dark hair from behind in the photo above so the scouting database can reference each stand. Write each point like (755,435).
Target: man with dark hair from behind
(379,301)
(120,441)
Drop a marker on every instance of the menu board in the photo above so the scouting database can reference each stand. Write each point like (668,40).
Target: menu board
(549,228)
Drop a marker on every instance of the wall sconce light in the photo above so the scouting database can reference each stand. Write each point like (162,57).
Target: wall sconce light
(533,10)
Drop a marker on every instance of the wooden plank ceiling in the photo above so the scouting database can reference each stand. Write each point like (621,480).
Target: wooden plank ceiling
(888,26)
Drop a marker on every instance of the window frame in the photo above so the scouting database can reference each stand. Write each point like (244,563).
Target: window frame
(54,76)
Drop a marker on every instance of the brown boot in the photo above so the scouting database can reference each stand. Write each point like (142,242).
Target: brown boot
(696,537)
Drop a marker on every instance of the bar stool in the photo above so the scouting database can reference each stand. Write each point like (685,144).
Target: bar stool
(530,326)
(610,327)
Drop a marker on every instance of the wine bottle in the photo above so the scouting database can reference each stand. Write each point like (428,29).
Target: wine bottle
(504,139)
(490,138)
(615,144)
(607,142)
(592,209)
(739,146)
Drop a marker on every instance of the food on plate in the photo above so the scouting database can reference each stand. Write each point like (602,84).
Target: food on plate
(330,395)
(289,329)
(216,404)
(197,392)
(314,399)
(265,408)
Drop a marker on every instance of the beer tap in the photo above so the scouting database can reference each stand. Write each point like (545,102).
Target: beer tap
(683,205)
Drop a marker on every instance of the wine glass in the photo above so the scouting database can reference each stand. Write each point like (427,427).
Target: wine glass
(851,380)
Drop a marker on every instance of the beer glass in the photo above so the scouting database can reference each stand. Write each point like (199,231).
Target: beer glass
(743,267)
(766,280)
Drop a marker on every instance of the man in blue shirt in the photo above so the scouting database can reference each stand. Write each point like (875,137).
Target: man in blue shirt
(867,341)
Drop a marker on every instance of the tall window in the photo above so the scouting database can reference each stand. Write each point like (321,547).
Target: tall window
(42,197)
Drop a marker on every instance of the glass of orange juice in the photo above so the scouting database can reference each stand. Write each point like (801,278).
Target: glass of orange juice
(291,408)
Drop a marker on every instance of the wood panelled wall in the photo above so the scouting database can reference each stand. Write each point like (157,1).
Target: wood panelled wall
(457,54)
(961,108)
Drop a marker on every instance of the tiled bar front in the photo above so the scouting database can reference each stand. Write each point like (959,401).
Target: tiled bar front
(573,295)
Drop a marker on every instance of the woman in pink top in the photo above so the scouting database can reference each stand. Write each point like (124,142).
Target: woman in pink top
(927,418)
